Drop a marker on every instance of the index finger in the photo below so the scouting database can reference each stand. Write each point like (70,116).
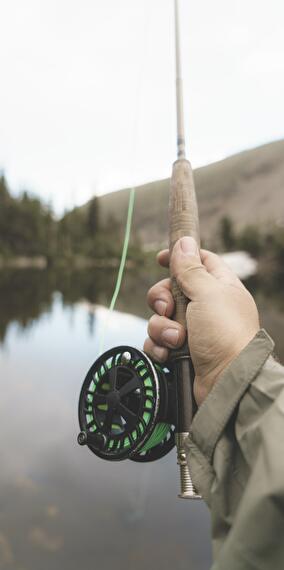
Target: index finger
(217,267)
(212,262)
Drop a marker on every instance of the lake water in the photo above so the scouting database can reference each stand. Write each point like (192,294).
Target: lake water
(61,506)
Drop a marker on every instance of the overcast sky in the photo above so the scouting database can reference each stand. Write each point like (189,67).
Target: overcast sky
(87,89)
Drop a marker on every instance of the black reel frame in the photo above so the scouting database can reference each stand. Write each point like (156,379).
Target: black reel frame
(123,398)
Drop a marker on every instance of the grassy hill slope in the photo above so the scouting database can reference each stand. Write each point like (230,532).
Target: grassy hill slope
(248,187)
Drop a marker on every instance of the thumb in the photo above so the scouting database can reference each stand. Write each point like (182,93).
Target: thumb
(185,265)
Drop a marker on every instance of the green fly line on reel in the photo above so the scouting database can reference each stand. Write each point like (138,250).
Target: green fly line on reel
(126,407)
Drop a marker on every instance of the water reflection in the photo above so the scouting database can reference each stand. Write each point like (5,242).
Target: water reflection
(60,506)
(24,295)
(27,294)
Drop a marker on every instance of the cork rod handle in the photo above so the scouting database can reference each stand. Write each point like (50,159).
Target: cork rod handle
(183,221)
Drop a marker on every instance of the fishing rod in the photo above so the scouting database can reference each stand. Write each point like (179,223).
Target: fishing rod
(183,221)
(131,407)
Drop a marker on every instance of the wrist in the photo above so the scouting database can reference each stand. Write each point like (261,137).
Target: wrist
(203,384)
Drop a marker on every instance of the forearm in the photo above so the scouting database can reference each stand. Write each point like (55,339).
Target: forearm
(235,459)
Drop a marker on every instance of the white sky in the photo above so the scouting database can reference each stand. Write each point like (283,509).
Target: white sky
(87,101)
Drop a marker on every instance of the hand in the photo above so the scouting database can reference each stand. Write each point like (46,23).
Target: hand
(221,317)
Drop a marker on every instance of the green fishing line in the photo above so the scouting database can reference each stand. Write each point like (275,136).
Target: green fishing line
(159,434)
(161,430)
(122,263)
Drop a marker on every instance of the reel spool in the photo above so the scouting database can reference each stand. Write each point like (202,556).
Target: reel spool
(127,407)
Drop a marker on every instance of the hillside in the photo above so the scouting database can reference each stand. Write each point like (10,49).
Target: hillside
(248,187)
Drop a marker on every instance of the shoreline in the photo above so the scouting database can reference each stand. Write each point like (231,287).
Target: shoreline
(77,262)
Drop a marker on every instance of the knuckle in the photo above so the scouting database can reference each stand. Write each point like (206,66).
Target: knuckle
(153,293)
(185,274)
(150,295)
(214,256)
(156,352)
(156,326)
(146,346)
(151,324)
(152,320)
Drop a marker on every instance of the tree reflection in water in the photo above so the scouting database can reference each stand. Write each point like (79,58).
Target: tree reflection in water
(27,294)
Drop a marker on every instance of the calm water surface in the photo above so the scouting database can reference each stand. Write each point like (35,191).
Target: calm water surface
(60,506)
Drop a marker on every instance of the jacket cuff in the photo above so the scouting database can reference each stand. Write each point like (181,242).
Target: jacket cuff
(216,410)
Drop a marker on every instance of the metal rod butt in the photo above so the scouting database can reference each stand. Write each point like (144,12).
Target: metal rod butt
(187,489)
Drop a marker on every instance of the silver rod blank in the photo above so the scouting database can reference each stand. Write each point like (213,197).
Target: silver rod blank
(179,89)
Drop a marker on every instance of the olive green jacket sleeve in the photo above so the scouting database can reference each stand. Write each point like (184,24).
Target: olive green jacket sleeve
(236,457)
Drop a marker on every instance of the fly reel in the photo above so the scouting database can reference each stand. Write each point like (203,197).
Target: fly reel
(127,407)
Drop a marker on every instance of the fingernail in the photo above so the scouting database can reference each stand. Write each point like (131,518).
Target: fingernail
(188,245)
(170,336)
(159,353)
(160,307)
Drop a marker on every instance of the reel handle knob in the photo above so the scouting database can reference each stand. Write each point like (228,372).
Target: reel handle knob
(97,440)
(82,438)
